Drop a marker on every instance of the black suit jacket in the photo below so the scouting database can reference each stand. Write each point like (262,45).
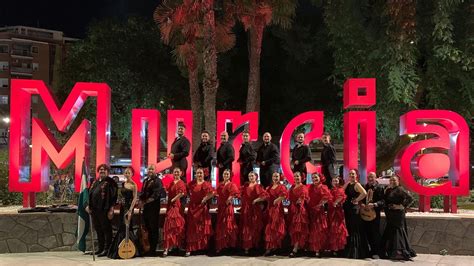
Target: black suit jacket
(180,148)
(225,155)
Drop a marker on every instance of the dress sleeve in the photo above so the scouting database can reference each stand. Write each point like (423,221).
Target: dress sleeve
(282,191)
(181,188)
(261,192)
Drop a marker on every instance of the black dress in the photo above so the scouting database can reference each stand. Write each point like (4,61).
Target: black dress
(395,244)
(126,201)
(357,246)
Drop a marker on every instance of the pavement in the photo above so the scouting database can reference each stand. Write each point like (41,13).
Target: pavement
(69,258)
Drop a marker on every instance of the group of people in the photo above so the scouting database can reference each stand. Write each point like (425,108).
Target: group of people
(322,217)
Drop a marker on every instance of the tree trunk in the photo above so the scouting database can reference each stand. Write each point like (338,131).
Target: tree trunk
(211,82)
(253,93)
(386,161)
(195,94)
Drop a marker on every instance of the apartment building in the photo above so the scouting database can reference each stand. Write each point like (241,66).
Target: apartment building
(28,53)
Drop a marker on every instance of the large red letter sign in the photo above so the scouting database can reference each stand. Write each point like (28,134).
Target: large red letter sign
(21,92)
(359,93)
(448,152)
(238,121)
(139,119)
(315,118)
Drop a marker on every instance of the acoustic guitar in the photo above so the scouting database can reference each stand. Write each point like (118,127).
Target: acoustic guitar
(126,248)
(368,214)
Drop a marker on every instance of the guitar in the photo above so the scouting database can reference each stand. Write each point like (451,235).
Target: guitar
(126,248)
(368,214)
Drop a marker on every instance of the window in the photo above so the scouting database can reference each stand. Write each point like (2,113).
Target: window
(4,83)
(3,99)
(34,49)
(3,48)
(3,66)
(35,66)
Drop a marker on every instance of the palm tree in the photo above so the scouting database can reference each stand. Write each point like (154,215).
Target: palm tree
(191,28)
(255,15)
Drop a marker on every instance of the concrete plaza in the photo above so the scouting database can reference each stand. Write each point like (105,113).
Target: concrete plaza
(70,258)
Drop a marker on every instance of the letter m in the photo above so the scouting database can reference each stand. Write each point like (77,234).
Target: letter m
(29,161)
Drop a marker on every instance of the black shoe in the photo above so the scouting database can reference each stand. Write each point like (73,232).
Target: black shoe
(103,254)
(96,252)
(292,254)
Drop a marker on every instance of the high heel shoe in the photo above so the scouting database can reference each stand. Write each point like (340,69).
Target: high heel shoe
(165,253)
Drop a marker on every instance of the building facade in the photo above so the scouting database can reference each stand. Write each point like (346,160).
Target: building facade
(28,53)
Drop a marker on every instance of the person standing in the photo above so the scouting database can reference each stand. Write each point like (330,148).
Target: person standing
(268,158)
(198,223)
(204,154)
(251,213)
(337,223)
(328,159)
(300,156)
(395,244)
(357,246)
(174,226)
(180,151)
(298,215)
(319,194)
(275,229)
(225,155)
(226,226)
(247,157)
(128,199)
(102,199)
(375,194)
(150,201)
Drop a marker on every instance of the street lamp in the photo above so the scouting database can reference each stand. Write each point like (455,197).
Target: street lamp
(6,120)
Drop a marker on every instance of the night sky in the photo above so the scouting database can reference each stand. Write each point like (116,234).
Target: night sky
(71,17)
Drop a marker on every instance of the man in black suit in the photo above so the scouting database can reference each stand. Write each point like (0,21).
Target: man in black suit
(102,198)
(268,158)
(204,154)
(152,192)
(180,150)
(247,157)
(300,156)
(375,195)
(225,155)
(328,160)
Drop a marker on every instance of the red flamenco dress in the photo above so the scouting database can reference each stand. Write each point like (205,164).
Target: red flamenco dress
(337,225)
(318,233)
(173,229)
(198,224)
(275,229)
(251,216)
(298,216)
(226,227)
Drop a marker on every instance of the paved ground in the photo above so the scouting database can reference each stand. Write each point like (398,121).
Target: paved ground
(77,258)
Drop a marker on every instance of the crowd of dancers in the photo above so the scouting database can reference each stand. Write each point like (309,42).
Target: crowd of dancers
(322,219)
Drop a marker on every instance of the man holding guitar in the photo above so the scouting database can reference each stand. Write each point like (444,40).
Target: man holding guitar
(371,211)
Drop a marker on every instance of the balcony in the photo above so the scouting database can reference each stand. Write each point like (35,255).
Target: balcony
(22,53)
(21,71)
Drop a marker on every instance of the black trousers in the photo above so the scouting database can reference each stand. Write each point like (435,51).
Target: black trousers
(151,217)
(328,172)
(374,237)
(266,176)
(245,169)
(103,228)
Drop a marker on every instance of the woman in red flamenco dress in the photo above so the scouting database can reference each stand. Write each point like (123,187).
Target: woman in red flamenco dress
(251,213)
(319,194)
(298,216)
(337,224)
(173,229)
(226,227)
(198,223)
(275,230)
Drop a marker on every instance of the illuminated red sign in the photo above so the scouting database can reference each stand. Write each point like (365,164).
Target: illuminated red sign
(32,145)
